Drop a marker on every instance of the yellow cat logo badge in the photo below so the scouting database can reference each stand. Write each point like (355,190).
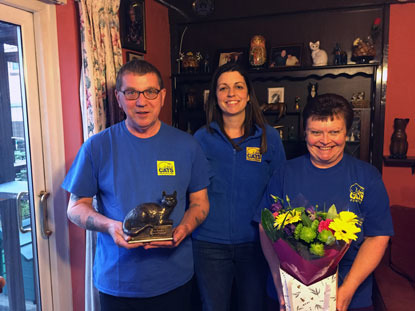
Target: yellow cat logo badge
(357,193)
(253,154)
(165,168)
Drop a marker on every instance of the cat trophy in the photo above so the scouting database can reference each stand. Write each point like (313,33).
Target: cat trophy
(149,221)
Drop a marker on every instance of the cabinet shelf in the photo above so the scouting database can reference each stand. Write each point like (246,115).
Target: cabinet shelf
(292,73)
(338,24)
(294,80)
(408,162)
(274,112)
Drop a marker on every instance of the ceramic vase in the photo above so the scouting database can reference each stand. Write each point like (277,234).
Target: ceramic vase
(399,142)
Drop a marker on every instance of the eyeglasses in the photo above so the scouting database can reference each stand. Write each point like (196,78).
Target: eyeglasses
(133,94)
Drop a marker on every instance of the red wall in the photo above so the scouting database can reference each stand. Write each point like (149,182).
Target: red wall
(158,49)
(400,99)
(158,53)
(70,64)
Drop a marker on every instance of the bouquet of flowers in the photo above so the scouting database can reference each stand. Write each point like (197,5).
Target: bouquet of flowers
(309,243)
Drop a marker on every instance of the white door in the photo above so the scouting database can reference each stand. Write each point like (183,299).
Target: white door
(29,258)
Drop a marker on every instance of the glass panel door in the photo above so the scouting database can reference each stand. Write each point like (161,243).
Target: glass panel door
(21,166)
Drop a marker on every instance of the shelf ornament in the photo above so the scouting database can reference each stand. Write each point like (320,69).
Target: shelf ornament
(257,51)
(399,143)
(318,55)
(364,51)
(190,61)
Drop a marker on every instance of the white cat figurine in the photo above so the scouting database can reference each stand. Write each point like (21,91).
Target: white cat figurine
(319,56)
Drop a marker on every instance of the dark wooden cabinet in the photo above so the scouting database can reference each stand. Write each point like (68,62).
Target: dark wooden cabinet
(345,80)
(330,24)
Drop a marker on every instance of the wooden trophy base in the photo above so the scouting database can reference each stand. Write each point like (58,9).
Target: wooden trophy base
(154,233)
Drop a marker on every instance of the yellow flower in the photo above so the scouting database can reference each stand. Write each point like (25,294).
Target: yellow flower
(287,218)
(345,226)
(349,217)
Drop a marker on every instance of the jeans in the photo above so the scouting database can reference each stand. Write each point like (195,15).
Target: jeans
(218,267)
(176,300)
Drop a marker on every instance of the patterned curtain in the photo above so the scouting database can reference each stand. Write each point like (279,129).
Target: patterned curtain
(101,60)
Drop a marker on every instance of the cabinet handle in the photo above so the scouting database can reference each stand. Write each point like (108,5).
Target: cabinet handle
(44,210)
(19,212)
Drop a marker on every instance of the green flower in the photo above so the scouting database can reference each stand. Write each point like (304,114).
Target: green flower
(314,225)
(326,236)
(317,249)
(297,231)
(308,234)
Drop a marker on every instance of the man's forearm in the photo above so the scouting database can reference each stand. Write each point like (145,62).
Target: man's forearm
(82,214)
(197,211)
(195,215)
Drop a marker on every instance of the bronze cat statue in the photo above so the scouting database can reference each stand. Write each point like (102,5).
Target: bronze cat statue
(150,220)
(399,142)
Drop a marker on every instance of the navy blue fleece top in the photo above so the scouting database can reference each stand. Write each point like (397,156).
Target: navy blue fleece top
(237,183)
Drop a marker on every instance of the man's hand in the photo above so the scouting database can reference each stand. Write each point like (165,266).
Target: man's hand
(81,213)
(179,234)
(193,217)
(119,237)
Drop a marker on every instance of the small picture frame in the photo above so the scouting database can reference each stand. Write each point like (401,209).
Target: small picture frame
(239,56)
(275,95)
(131,56)
(132,25)
(287,55)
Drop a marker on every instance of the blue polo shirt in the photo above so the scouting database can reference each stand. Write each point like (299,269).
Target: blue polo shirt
(124,171)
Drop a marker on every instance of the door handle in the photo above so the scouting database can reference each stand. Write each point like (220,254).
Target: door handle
(44,210)
(19,212)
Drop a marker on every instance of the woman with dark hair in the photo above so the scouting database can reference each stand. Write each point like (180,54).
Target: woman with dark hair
(328,176)
(243,151)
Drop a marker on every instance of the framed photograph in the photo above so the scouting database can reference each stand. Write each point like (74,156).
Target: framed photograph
(232,55)
(282,56)
(132,25)
(131,56)
(275,95)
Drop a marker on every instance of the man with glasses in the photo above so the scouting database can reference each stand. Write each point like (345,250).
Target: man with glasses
(123,167)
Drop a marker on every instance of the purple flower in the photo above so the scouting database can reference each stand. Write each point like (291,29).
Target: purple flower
(311,212)
(289,229)
(275,207)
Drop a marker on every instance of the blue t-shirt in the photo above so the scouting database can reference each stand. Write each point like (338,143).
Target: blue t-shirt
(351,185)
(238,181)
(124,171)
